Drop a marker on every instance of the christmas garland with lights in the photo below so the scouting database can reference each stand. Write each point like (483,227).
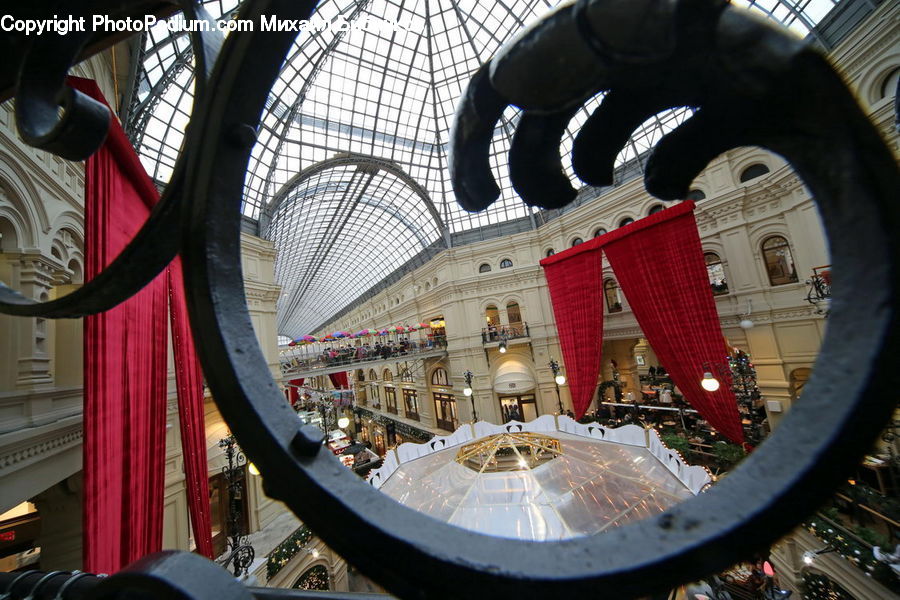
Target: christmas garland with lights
(821,587)
(286,550)
(852,550)
(401,428)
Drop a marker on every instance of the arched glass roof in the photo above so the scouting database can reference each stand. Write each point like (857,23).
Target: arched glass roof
(342,211)
(385,94)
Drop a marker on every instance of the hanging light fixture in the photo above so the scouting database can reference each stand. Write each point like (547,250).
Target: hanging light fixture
(502,347)
(343,422)
(709,383)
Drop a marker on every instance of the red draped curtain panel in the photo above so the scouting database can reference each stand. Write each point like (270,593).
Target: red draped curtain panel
(293,391)
(659,264)
(339,380)
(124,370)
(125,376)
(574,278)
(189,379)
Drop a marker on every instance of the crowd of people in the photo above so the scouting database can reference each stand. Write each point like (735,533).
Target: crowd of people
(346,354)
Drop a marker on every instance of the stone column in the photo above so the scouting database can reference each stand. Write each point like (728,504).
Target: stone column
(37,275)
(60,507)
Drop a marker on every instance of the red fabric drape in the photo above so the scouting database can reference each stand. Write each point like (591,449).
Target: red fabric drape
(189,379)
(573,278)
(658,262)
(125,370)
(339,380)
(294,392)
(125,376)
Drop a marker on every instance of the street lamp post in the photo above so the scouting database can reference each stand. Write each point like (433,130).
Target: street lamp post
(558,379)
(468,392)
(241,553)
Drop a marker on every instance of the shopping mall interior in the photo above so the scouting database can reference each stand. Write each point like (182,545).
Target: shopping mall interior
(434,346)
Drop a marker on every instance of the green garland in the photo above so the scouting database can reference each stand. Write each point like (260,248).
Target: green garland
(401,428)
(286,550)
(854,551)
(820,587)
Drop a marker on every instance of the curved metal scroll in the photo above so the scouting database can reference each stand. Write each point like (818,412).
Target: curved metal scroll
(77,133)
(752,84)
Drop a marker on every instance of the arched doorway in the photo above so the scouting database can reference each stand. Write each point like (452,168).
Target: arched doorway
(314,578)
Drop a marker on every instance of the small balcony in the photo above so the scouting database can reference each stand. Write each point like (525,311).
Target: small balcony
(491,335)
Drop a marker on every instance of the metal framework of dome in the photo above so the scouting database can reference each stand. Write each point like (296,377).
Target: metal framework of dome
(383,96)
(509,452)
(549,479)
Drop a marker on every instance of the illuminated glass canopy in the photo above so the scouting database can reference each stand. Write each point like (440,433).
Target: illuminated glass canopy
(577,487)
(380,94)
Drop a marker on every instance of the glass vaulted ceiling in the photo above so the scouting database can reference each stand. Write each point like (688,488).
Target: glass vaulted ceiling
(382,94)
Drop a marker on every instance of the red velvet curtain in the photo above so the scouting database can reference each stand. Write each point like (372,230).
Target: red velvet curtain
(294,392)
(125,370)
(339,380)
(189,379)
(125,376)
(574,278)
(658,262)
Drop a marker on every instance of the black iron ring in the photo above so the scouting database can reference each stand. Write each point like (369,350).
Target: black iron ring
(822,437)
(8,594)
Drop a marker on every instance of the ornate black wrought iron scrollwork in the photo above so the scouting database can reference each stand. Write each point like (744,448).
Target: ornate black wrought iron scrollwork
(751,84)
(78,133)
(241,552)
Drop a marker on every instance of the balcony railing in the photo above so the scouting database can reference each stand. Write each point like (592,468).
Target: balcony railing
(507,332)
(361,355)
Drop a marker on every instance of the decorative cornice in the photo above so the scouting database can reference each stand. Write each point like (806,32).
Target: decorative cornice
(38,448)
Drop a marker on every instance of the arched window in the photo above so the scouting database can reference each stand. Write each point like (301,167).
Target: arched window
(655,209)
(373,376)
(890,85)
(695,195)
(406,375)
(505,263)
(797,380)
(484,268)
(440,377)
(360,375)
(387,375)
(753,171)
(8,239)
(611,291)
(779,262)
(514,316)
(550,252)
(492,317)
(77,271)
(626,221)
(577,241)
(716,273)
(600,231)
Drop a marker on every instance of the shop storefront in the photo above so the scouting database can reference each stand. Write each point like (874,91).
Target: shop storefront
(518,408)
(445,409)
